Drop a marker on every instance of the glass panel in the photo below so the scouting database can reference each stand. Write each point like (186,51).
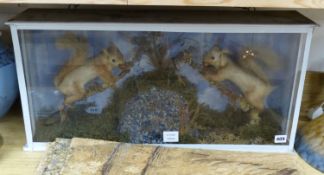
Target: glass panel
(213,88)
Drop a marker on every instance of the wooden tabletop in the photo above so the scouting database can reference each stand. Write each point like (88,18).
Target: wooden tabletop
(89,156)
(13,160)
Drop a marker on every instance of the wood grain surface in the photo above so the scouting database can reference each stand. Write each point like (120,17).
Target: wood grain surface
(313,94)
(235,3)
(102,2)
(89,156)
(13,160)
(218,3)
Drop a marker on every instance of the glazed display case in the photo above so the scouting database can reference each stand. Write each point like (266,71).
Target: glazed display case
(228,80)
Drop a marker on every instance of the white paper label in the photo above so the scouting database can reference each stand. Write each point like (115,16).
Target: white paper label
(170,136)
(280,139)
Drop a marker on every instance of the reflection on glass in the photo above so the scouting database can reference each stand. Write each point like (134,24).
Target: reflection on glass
(213,88)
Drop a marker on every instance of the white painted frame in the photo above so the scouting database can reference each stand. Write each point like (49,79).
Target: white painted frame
(302,61)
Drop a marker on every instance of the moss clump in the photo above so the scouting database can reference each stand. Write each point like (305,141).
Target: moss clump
(188,139)
(267,129)
(81,124)
(230,119)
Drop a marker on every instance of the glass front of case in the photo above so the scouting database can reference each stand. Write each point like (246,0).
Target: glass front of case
(138,87)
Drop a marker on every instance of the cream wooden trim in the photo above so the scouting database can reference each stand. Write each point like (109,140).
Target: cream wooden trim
(99,2)
(235,3)
(217,3)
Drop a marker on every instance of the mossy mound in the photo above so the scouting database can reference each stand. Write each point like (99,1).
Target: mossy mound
(106,125)
(204,126)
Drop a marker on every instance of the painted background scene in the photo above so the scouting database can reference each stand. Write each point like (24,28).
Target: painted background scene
(213,88)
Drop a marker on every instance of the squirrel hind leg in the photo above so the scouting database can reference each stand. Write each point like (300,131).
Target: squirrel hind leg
(71,99)
(63,113)
(68,101)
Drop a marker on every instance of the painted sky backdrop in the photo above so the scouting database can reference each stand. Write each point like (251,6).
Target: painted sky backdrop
(42,61)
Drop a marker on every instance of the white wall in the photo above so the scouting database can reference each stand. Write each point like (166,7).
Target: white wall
(7,11)
(316,60)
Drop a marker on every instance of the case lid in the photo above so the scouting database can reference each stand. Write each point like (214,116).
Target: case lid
(163,16)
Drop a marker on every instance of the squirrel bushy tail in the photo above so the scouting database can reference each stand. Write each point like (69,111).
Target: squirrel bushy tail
(264,57)
(79,45)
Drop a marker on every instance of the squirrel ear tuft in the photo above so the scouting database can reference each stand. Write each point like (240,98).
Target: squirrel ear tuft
(113,48)
(105,51)
(112,45)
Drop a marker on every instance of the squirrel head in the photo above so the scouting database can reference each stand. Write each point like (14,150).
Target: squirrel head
(216,57)
(113,56)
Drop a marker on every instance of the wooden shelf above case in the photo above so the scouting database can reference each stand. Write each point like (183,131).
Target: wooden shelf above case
(234,3)
(90,2)
(318,4)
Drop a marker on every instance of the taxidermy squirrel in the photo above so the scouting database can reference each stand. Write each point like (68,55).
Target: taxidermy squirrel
(79,46)
(73,77)
(254,89)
